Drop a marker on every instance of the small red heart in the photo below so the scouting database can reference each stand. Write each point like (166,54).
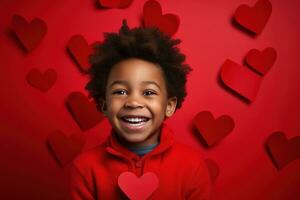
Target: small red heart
(213,130)
(152,17)
(255,18)
(283,151)
(64,148)
(213,169)
(29,34)
(261,61)
(85,112)
(81,51)
(240,79)
(41,81)
(138,188)
(109,3)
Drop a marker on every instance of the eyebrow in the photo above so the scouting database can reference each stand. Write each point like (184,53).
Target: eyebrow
(118,82)
(151,82)
(126,83)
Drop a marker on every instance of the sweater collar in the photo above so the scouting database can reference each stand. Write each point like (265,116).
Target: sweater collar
(166,139)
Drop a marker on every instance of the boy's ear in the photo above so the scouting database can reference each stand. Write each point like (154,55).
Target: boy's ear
(171,106)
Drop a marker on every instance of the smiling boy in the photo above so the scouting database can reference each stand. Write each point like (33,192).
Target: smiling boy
(138,80)
(137,101)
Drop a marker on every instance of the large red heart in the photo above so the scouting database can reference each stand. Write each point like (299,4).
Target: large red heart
(81,51)
(213,130)
(283,151)
(64,148)
(261,61)
(152,17)
(29,34)
(85,112)
(255,18)
(41,81)
(213,169)
(138,188)
(240,79)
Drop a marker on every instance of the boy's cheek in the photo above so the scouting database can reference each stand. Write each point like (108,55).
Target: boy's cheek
(114,107)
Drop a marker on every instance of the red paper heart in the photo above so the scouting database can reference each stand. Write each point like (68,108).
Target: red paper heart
(81,51)
(41,81)
(240,79)
(283,151)
(29,34)
(109,3)
(255,18)
(152,17)
(213,169)
(261,61)
(85,112)
(138,188)
(64,148)
(213,130)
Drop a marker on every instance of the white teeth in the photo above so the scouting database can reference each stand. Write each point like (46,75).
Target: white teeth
(135,119)
(137,124)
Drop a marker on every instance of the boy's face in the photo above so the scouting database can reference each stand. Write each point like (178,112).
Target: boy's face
(137,101)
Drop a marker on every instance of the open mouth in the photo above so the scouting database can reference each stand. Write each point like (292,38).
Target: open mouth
(134,122)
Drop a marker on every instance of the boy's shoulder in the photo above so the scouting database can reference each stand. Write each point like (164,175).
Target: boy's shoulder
(188,153)
(185,148)
(180,149)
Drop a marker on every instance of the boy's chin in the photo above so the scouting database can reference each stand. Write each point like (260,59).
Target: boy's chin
(135,139)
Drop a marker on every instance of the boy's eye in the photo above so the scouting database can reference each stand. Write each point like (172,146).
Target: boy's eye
(120,92)
(149,92)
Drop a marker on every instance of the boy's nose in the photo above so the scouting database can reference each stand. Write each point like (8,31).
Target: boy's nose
(133,102)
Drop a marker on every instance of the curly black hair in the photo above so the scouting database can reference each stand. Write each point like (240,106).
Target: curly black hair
(148,44)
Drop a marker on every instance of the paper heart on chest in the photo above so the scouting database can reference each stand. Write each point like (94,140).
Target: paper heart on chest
(138,188)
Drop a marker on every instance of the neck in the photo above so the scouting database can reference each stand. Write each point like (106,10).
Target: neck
(148,142)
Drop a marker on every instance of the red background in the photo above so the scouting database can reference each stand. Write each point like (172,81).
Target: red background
(27,169)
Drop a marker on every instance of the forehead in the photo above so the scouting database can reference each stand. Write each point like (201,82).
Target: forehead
(136,71)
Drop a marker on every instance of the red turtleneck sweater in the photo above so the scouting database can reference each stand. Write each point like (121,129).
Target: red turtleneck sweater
(181,172)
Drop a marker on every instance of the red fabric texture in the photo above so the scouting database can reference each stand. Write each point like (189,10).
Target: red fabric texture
(181,171)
